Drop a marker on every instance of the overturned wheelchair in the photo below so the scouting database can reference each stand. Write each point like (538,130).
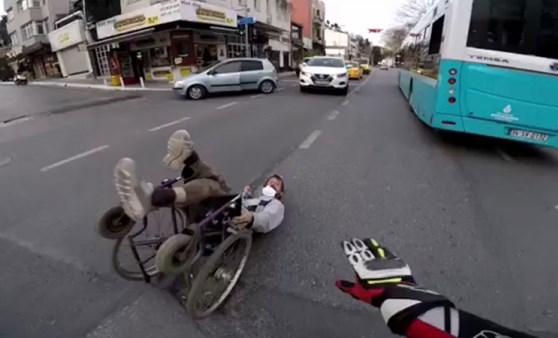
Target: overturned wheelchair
(208,252)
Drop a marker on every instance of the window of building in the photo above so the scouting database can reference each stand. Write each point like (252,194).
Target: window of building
(34,3)
(257,4)
(21,5)
(40,28)
(184,48)
(15,40)
(10,14)
(102,58)
(248,66)
(27,31)
(159,57)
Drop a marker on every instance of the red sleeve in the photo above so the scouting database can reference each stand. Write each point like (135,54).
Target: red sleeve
(420,329)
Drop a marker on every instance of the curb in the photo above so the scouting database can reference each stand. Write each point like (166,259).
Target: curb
(94,86)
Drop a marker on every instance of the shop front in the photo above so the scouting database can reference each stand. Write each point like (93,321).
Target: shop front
(37,59)
(163,42)
(69,44)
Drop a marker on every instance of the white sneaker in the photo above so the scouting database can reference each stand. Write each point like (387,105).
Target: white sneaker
(135,195)
(179,148)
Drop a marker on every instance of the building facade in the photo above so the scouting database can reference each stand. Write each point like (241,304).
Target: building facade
(337,43)
(167,40)
(318,26)
(29,22)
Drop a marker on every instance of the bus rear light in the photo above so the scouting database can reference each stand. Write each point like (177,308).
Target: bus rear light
(452,91)
(452,81)
(452,100)
(453,72)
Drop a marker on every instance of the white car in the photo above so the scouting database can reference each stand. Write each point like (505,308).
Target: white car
(326,73)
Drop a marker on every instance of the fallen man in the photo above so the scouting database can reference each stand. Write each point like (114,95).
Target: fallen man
(137,198)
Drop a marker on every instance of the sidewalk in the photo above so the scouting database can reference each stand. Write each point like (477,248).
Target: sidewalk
(105,84)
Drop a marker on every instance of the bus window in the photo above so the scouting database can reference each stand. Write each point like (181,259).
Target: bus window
(515,26)
(436,37)
(548,34)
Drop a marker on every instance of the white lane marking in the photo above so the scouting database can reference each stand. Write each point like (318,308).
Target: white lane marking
(256,96)
(73,158)
(279,89)
(333,115)
(308,142)
(505,155)
(346,102)
(169,124)
(556,207)
(227,105)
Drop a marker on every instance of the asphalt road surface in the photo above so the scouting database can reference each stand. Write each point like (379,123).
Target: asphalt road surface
(475,217)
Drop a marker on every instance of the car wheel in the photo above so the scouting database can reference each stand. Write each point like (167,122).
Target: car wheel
(303,90)
(196,92)
(267,87)
(344,91)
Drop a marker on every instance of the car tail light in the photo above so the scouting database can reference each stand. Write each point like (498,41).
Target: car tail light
(453,72)
(452,100)
(452,81)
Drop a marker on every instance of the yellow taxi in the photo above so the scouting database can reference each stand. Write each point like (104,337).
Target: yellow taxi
(365,65)
(354,70)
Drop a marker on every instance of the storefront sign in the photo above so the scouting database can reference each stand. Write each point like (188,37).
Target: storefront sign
(154,41)
(165,12)
(67,36)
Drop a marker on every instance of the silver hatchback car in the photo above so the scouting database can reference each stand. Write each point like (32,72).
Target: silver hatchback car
(230,75)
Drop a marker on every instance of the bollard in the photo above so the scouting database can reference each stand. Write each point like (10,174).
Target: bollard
(142,83)
(121,82)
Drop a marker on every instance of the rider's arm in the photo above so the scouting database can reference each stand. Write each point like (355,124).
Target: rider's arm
(269,218)
(437,323)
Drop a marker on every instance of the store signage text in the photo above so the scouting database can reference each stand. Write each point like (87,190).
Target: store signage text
(165,12)
(67,36)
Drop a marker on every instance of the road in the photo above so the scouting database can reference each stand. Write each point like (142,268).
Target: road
(474,217)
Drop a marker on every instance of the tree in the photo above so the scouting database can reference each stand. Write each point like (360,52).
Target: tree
(413,10)
(394,37)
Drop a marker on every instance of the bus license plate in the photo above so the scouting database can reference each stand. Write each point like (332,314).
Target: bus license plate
(528,135)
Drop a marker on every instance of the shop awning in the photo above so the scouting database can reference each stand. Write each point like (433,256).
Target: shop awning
(124,37)
(35,47)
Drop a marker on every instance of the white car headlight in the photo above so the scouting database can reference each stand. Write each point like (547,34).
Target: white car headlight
(179,84)
(342,75)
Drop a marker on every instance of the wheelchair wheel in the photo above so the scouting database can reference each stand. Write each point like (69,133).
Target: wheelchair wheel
(176,255)
(218,275)
(146,237)
(114,223)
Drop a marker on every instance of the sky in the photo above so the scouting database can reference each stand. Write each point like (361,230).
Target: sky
(357,16)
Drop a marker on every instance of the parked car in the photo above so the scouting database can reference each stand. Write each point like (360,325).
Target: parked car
(228,76)
(301,65)
(354,70)
(384,67)
(325,73)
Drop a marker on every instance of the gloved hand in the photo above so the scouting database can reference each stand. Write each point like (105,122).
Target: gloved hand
(385,281)
(243,221)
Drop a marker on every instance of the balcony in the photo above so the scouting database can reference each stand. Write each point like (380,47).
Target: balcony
(31,14)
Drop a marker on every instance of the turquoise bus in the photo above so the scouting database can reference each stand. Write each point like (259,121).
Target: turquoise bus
(486,67)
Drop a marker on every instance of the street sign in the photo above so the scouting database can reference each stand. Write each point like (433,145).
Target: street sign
(247,21)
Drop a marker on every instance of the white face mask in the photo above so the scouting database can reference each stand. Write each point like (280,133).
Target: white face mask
(269,191)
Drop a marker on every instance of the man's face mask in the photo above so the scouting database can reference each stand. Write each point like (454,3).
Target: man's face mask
(269,191)
(178,150)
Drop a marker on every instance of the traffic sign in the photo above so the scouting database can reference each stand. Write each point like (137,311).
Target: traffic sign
(247,21)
